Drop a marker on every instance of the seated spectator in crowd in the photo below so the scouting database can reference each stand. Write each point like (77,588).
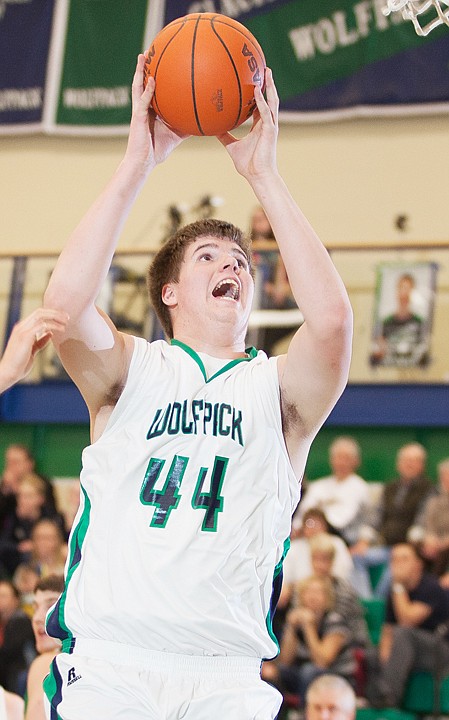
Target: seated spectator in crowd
(11,705)
(46,594)
(20,462)
(316,640)
(330,697)
(415,633)
(25,579)
(343,496)
(15,539)
(69,503)
(298,562)
(49,548)
(432,532)
(47,557)
(347,604)
(402,502)
(16,640)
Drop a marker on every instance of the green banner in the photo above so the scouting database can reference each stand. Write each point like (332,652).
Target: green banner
(310,44)
(102,41)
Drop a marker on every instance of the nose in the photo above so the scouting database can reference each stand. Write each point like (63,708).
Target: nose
(230,263)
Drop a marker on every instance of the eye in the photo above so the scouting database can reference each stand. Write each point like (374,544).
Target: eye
(205,256)
(242,263)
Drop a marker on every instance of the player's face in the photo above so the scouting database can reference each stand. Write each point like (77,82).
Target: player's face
(43,601)
(215,283)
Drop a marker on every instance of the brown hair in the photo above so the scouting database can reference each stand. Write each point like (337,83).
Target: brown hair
(54,583)
(166,264)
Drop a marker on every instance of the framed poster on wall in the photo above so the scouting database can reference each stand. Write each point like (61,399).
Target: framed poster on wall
(403,314)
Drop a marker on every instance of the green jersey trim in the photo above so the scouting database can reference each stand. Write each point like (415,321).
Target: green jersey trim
(251,353)
(276,573)
(75,554)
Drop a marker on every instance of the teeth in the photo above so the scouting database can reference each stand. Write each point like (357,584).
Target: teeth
(233,289)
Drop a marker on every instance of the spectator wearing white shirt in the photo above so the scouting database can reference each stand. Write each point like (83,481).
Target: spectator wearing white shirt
(343,496)
(298,563)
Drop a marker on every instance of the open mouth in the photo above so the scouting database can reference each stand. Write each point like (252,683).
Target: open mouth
(227,288)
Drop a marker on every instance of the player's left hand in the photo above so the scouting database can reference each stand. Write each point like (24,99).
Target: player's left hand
(150,140)
(254,155)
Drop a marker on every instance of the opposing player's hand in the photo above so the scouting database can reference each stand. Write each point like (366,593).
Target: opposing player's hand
(150,140)
(28,337)
(255,154)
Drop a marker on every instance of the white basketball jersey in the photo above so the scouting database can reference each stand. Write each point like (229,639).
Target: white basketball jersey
(186,508)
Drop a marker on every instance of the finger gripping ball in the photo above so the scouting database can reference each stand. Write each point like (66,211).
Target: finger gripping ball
(205,68)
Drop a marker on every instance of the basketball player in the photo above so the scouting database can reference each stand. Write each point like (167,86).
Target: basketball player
(198,449)
(28,337)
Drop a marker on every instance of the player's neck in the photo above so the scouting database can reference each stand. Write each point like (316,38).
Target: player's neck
(209,346)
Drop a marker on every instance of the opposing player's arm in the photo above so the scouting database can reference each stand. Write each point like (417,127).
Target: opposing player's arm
(39,669)
(314,372)
(94,353)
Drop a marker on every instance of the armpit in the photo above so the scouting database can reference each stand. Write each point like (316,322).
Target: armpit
(291,419)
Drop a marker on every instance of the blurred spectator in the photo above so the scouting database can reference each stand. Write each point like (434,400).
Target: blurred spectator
(402,502)
(49,549)
(433,530)
(15,539)
(47,557)
(17,647)
(343,496)
(47,593)
(25,579)
(415,633)
(330,697)
(69,499)
(20,462)
(298,562)
(272,289)
(347,604)
(316,640)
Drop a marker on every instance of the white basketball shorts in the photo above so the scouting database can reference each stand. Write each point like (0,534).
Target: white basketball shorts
(103,680)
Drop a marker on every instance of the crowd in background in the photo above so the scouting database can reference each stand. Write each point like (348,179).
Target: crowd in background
(342,531)
(34,530)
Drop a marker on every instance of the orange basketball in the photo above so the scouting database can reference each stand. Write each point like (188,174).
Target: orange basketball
(205,67)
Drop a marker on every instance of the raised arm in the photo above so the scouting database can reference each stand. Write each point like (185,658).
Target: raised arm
(314,372)
(93,352)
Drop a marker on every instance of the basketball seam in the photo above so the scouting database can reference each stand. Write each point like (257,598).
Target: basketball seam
(158,112)
(219,19)
(251,38)
(234,66)
(192,78)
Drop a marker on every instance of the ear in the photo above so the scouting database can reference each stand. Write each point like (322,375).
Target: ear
(168,295)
